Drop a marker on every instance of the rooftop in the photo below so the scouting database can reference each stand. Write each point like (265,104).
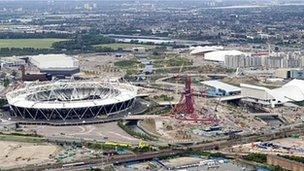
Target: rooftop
(54,61)
(204,49)
(220,55)
(292,91)
(222,86)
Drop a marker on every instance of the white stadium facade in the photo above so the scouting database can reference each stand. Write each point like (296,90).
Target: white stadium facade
(71,100)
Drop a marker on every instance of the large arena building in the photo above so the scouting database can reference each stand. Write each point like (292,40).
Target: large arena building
(55,64)
(71,100)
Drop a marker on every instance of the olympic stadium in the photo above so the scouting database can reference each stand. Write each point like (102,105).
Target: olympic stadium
(71,100)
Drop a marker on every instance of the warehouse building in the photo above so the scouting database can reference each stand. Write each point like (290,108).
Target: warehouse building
(59,65)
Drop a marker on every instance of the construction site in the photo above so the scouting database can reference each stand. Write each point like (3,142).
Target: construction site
(119,105)
(292,146)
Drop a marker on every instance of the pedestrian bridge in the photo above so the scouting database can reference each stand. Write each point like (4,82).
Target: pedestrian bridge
(229,98)
(143,117)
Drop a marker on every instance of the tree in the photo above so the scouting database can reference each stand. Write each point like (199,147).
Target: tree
(6,82)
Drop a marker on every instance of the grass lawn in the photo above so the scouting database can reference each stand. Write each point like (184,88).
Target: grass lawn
(116,46)
(128,64)
(175,61)
(17,138)
(34,43)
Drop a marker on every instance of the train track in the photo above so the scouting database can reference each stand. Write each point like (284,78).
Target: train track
(91,163)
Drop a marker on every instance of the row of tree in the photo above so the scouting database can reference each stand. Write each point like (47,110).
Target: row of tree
(25,51)
(75,44)
(10,35)
(83,42)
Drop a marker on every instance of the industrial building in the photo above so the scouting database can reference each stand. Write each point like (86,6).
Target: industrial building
(70,100)
(55,64)
(293,91)
(218,88)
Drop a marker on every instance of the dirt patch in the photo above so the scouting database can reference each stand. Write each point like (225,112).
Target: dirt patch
(16,154)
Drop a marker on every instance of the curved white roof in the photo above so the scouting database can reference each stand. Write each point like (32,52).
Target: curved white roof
(20,98)
(204,49)
(219,56)
(292,91)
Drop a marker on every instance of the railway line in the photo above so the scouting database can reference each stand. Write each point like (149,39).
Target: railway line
(173,150)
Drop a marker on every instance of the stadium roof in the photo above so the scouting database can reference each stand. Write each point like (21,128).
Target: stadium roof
(204,49)
(219,56)
(54,61)
(21,97)
(222,86)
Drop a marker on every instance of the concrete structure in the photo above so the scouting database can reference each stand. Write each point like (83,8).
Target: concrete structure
(292,91)
(217,88)
(284,163)
(55,64)
(70,100)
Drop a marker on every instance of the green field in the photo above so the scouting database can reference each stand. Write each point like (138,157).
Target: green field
(34,43)
(28,139)
(116,46)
